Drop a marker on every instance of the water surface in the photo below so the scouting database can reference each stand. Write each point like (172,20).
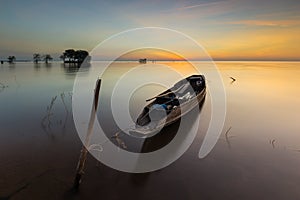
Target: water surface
(258,157)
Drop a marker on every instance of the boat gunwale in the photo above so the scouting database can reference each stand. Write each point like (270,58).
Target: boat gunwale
(167,120)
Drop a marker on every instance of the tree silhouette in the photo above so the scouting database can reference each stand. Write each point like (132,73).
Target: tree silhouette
(63,57)
(11,59)
(80,55)
(69,55)
(36,57)
(72,56)
(47,57)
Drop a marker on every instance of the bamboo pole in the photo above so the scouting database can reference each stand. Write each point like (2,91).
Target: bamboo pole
(84,150)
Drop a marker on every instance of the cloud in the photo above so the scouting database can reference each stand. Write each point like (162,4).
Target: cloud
(204,5)
(277,23)
(198,5)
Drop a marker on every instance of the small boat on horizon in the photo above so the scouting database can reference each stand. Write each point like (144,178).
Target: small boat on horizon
(143,60)
(169,106)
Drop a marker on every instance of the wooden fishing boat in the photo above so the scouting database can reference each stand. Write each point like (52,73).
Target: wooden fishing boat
(169,106)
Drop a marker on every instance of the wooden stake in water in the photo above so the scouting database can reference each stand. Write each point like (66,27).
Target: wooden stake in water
(84,150)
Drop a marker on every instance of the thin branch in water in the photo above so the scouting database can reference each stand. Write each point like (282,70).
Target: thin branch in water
(84,150)
(62,96)
(120,142)
(272,142)
(227,137)
(233,80)
(96,147)
(46,120)
(2,86)
(49,110)
(226,134)
(70,94)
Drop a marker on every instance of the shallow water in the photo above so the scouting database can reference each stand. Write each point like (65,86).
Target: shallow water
(258,158)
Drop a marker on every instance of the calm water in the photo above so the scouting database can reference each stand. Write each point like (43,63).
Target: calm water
(258,158)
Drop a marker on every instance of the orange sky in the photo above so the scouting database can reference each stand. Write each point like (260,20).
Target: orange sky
(150,54)
(227,29)
(270,42)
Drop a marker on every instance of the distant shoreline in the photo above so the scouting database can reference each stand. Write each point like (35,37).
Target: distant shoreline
(150,61)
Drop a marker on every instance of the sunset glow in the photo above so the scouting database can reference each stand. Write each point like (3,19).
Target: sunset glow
(227,29)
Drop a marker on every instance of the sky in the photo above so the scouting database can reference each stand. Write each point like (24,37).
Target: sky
(227,29)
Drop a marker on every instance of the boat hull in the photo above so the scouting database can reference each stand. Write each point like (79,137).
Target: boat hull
(146,127)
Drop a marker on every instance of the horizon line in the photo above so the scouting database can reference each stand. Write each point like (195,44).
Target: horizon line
(150,60)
